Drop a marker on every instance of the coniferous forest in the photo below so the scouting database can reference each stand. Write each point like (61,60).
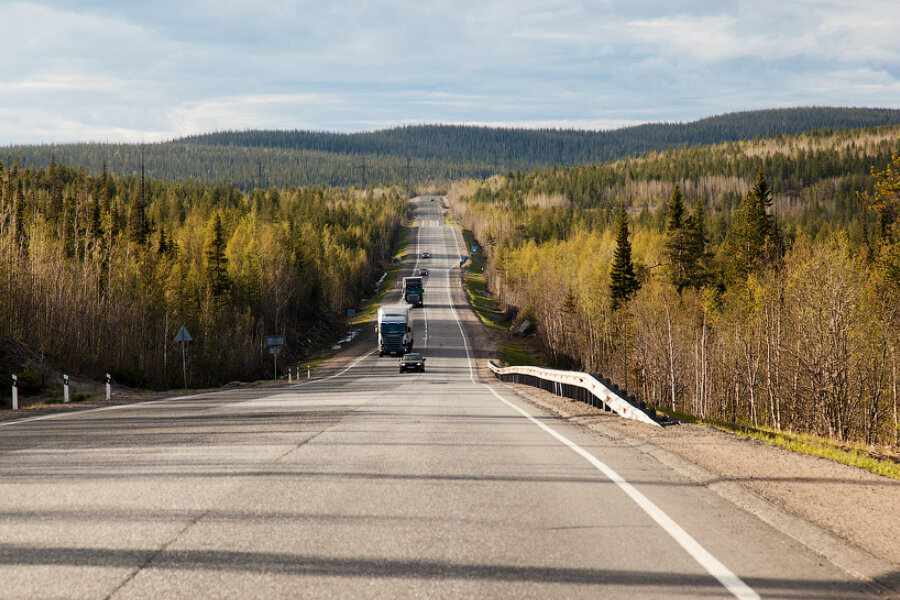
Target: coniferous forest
(421,154)
(755,282)
(97,273)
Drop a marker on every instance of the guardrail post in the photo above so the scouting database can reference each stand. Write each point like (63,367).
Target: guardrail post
(15,393)
(65,388)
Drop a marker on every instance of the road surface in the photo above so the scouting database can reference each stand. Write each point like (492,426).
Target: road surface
(373,484)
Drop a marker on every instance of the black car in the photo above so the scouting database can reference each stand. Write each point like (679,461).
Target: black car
(423,272)
(412,361)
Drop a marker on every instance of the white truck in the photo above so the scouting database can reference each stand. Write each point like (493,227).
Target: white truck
(394,329)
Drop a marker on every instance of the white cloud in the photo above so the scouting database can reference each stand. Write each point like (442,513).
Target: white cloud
(96,68)
(269,111)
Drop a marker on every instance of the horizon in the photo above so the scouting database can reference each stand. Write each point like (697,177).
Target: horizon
(510,126)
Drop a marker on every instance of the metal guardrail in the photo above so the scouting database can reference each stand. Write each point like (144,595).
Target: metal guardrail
(582,387)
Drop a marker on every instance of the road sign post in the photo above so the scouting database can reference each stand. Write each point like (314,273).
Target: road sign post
(275,342)
(184,337)
(15,393)
(65,388)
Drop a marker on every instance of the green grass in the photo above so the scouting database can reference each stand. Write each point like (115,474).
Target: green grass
(848,454)
(390,279)
(485,307)
(516,354)
(513,352)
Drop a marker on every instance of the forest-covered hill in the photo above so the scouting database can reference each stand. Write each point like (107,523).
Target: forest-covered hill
(754,282)
(423,153)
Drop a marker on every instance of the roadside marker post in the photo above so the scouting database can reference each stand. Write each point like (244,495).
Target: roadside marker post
(184,337)
(108,387)
(15,393)
(66,389)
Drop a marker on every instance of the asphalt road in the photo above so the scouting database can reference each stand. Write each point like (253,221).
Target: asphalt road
(373,484)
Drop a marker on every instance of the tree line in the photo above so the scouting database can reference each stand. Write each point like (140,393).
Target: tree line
(98,272)
(726,310)
(424,154)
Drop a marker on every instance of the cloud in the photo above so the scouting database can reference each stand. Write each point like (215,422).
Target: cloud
(87,69)
(271,111)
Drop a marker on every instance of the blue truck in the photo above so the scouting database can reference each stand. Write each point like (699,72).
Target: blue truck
(413,292)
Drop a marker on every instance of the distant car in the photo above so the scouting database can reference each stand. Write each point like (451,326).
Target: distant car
(423,272)
(432,199)
(412,361)
(426,255)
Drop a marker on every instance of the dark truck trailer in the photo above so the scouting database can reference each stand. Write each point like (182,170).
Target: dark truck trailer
(413,292)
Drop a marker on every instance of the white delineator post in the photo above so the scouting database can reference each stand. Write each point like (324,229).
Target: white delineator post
(108,386)
(65,388)
(15,393)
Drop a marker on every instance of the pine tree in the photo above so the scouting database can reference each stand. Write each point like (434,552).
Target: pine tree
(753,241)
(19,211)
(676,252)
(104,190)
(623,281)
(675,210)
(696,274)
(56,200)
(137,220)
(885,202)
(569,304)
(216,261)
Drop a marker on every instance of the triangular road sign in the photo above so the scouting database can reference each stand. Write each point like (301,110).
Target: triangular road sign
(183,335)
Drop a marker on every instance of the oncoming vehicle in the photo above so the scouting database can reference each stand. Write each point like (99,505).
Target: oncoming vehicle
(413,292)
(394,329)
(426,255)
(412,361)
(423,272)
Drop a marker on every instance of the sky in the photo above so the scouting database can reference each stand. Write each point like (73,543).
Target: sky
(100,70)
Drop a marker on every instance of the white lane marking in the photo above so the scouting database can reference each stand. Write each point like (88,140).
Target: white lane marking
(347,368)
(137,404)
(729,580)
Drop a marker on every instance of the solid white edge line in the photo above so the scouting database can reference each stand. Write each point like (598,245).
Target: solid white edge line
(714,567)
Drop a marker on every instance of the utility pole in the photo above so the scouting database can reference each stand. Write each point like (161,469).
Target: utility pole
(407,168)
(363,167)
(260,174)
(497,159)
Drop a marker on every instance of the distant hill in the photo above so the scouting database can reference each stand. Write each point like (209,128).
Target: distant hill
(427,153)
